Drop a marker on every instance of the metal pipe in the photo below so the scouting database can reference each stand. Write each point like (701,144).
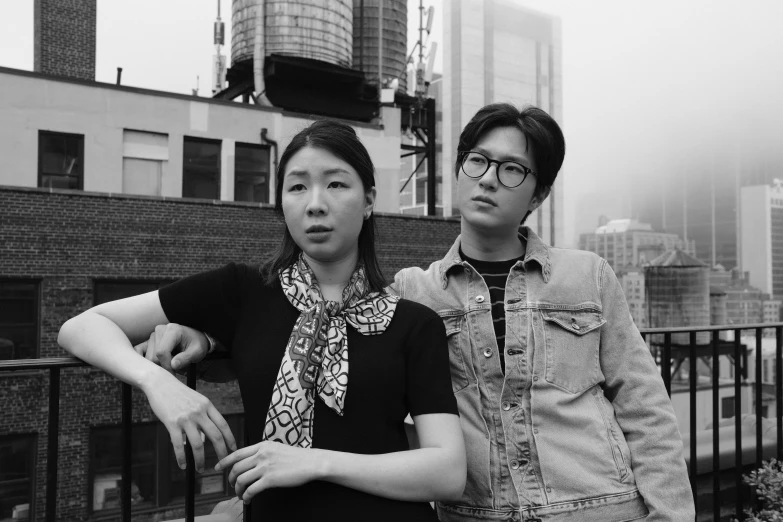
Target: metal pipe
(715,426)
(361,35)
(759,448)
(127,445)
(693,376)
(51,445)
(738,423)
(258,56)
(273,174)
(666,363)
(779,388)
(119,75)
(429,105)
(380,47)
(190,470)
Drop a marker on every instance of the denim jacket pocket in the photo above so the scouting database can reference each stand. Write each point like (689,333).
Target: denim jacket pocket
(455,324)
(572,343)
(607,415)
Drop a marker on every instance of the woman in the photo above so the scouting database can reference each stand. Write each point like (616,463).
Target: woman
(328,441)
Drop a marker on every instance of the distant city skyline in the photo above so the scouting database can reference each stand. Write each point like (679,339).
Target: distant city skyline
(648,87)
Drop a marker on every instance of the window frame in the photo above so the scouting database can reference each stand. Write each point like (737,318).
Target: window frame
(32,460)
(257,146)
(724,401)
(40,155)
(36,282)
(219,143)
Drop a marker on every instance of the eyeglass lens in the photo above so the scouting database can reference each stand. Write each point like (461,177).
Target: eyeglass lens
(510,174)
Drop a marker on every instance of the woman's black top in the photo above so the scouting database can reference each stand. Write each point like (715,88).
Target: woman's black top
(405,369)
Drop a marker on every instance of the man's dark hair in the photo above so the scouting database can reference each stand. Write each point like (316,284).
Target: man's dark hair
(540,130)
(341,140)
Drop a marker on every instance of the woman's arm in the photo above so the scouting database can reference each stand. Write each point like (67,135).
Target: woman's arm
(103,337)
(436,471)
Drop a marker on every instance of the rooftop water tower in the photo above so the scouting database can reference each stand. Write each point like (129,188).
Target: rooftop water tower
(297,55)
(381,38)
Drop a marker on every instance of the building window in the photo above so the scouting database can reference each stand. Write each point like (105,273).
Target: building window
(113,290)
(19,319)
(201,169)
(157,480)
(144,159)
(17,469)
(60,160)
(727,407)
(251,171)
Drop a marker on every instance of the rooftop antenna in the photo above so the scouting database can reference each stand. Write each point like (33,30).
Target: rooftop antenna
(218,60)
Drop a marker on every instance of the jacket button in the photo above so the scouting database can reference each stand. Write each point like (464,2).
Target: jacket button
(514,464)
(487,353)
(506,406)
(479,298)
(535,377)
(549,490)
(575,326)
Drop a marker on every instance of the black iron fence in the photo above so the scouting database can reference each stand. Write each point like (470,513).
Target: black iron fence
(664,350)
(53,366)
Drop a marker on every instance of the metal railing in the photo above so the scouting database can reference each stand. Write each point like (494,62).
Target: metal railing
(713,352)
(54,365)
(664,354)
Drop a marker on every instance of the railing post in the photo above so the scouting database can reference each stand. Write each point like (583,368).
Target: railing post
(738,423)
(127,451)
(51,444)
(693,376)
(190,470)
(666,363)
(759,362)
(779,389)
(715,428)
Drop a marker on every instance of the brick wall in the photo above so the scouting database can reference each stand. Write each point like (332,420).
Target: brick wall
(69,239)
(64,42)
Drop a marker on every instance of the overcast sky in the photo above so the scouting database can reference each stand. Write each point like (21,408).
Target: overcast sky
(649,87)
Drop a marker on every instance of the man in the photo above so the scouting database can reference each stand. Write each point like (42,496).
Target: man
(563,409)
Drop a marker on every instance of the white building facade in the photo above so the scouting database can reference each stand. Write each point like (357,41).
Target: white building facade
(68,133)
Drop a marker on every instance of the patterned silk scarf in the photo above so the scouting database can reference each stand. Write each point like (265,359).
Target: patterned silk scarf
(316,357)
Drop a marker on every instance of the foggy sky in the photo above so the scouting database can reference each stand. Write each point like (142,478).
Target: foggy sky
(650,88)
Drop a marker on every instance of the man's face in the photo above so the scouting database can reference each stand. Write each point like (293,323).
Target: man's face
(486,204)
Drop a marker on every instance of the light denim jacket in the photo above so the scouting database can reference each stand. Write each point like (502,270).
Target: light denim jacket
(580,427)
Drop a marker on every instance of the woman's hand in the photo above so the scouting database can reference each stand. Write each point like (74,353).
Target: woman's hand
(269,465)
(185,411)
(174,346)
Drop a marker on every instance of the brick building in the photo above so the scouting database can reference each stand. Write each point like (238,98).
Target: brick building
(65,250)
(108,191)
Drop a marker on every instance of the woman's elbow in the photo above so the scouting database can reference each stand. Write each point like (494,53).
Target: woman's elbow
(69,332)
(454,479)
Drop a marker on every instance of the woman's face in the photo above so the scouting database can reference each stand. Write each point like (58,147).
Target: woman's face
(325,204)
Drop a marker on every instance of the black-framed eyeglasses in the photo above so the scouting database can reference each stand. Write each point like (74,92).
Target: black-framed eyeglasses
(510,173)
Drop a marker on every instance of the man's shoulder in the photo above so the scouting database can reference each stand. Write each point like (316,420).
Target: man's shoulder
(572,255)
(422,285)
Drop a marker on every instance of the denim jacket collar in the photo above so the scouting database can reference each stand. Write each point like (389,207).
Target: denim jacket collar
(535,250)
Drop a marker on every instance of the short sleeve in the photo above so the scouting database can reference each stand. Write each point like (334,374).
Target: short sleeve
(429,377)
(208,301)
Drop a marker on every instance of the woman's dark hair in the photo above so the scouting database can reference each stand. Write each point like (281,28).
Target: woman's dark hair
(540,130)
(341,140)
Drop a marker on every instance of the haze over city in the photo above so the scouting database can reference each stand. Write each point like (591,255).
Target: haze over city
(649,88)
